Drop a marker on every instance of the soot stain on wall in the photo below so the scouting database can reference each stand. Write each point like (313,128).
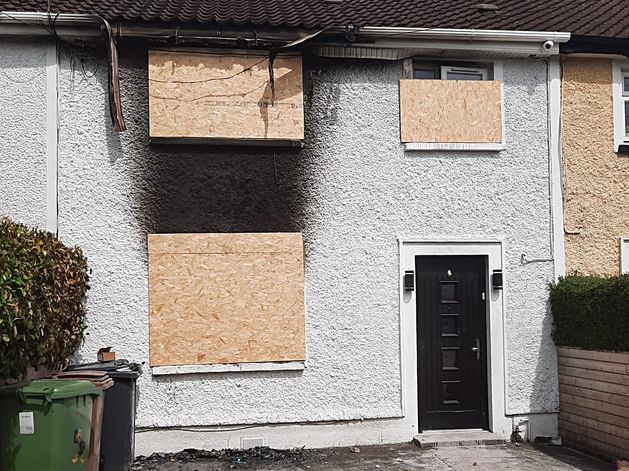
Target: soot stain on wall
(183,188)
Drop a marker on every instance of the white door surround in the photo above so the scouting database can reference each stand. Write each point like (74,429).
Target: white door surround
(493,250)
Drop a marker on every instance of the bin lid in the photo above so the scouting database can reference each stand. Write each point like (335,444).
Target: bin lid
(115,369)
(51,389)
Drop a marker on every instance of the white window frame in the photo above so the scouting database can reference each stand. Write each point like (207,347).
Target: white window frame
(624,255)
(448,68)
(465,146)
(620,69)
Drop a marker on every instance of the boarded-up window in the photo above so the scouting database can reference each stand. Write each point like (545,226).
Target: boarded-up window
(226,298)
(451,111)
(225,95)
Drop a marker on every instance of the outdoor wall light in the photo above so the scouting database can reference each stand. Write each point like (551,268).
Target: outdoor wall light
(409,280)
(496,279)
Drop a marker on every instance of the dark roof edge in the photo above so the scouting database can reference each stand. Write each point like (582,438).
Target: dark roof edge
(595,45)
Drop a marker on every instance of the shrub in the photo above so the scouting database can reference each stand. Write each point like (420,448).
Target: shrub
(42,290)
(591,312)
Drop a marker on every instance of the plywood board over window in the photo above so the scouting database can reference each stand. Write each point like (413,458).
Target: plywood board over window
(450,111)
(226,298)
(225,95)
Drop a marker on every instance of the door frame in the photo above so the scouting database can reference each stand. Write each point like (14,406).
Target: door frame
(409,248)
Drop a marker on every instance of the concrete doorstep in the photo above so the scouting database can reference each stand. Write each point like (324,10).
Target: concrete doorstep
(446,438)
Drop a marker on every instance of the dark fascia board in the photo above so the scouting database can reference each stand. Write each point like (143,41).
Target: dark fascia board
(595,45)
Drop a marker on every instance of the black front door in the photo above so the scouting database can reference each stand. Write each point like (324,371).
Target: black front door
(451,342)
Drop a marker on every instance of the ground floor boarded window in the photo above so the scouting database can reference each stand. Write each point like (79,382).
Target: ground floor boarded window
(226,298)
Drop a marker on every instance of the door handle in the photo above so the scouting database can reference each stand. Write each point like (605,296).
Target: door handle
(477,349)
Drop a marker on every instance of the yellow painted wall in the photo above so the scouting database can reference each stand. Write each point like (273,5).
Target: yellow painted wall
(596,179)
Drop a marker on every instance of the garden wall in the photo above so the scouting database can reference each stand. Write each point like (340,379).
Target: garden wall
(594,396)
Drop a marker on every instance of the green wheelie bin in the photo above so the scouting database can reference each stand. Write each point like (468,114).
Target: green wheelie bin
(45,425)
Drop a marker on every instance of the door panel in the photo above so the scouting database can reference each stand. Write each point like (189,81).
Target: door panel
(451,342)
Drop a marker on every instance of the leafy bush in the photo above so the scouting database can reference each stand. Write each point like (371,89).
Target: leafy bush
(591,312)
(42,290)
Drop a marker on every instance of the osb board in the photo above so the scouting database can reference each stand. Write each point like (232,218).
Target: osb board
(456,111)
(225,95)
(226,298)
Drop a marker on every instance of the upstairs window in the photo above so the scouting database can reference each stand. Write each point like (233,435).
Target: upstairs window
(452,105)
(426,71)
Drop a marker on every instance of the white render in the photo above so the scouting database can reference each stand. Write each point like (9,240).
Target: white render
(23,190)
(353,190)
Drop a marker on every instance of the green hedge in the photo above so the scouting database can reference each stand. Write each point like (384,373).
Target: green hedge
(591,312)
(42,291)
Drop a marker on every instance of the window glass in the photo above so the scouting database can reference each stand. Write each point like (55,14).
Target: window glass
(426,74)
(451,71)
(623,103)
(459,75)
(448,291)
(451,392)
(449,359)
(449,326)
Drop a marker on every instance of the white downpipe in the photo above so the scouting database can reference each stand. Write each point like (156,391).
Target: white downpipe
(554,86)
(52,139)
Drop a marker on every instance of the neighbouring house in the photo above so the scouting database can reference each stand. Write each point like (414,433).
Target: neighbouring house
(329,223)
(595,147)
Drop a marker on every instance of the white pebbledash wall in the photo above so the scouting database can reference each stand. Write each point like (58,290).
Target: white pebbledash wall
(352,191)
(23,186)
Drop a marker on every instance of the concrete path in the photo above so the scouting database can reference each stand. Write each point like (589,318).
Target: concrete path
(405,457)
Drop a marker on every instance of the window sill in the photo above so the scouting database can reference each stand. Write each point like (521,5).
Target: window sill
(227,368)
(481,146)
(218,141)
(623,148)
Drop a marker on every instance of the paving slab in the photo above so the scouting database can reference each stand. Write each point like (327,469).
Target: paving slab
(403,457)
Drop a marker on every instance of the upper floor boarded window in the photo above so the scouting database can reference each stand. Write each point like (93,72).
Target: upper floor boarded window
(452,106)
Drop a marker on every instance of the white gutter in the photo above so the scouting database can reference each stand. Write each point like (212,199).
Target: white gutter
(38,24)
(92,23)
(90,26)
(464,34)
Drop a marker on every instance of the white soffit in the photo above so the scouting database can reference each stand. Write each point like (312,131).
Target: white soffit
(359,52)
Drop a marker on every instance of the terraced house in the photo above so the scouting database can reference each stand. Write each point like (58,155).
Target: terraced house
(316,223)
(595,114)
